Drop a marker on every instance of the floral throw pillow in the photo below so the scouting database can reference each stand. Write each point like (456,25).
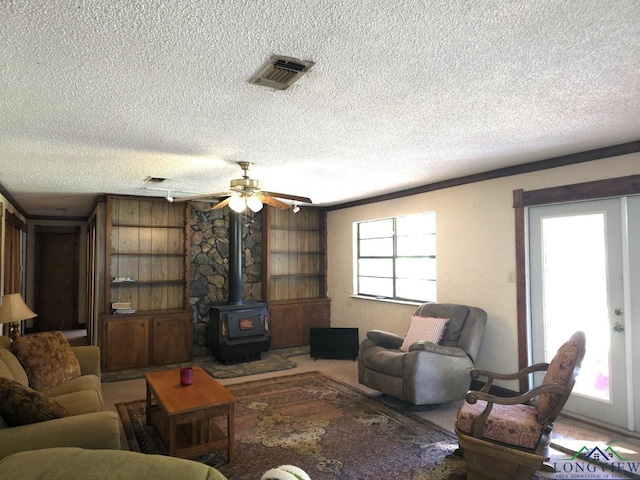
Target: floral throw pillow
(428,329)
(47,358)
(20,405)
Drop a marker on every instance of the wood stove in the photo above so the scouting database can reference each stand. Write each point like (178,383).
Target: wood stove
(238,331)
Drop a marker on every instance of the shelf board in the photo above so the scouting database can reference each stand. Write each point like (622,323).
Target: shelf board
(294,275)
(149,254)
(298,252)
(297,229)
(297,301)
(129,225)
(148,282)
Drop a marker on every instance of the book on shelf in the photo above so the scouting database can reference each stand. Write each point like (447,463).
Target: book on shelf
(123,311)
(116,305)
(122,308)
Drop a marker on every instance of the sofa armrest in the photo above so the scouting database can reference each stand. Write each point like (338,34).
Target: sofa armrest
(99,430)
(423,346)
(385,339)
(89,358)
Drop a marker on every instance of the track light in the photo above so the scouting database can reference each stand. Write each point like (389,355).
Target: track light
(296,208)
(169,197)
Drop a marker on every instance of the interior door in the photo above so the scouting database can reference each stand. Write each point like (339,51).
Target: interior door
(578,280)
(56,299)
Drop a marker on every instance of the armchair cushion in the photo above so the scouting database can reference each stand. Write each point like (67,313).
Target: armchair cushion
(428,329)
(511,424)
(47,358)
(20,405)
(385,339)
(560,370)
(457,315)
(9,365)
(439,349)
(380,359)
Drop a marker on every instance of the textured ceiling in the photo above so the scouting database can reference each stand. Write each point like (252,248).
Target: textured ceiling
(99,95)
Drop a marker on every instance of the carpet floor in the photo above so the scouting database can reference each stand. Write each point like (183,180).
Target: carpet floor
(271,361)
(327,428)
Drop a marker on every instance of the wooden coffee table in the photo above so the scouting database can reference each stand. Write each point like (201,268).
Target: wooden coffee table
(185,415)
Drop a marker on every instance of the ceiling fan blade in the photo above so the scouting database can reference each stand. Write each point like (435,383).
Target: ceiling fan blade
(287,196)
(219,204)
(202,195)
(273,202)
(223,203)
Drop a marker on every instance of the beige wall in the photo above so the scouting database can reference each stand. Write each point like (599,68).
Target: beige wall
(475,253)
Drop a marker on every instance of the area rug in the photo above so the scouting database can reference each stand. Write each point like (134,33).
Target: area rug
(327,428)
(271,361)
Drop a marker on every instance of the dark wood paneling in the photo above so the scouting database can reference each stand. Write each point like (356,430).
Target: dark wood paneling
(172,338)
(285,325)
(614,187)
(127,340)
(521,282)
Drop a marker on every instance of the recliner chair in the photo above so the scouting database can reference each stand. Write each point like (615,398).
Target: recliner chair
(428,374)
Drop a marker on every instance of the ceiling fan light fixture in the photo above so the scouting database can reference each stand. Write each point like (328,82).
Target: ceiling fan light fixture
(254,204)
(240,184)
(237,203)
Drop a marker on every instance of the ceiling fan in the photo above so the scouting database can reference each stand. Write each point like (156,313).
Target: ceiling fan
(246,192)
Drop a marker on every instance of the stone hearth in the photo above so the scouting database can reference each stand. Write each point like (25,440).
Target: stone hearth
(210,265)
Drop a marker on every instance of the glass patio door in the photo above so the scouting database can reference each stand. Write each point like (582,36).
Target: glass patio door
(580,280)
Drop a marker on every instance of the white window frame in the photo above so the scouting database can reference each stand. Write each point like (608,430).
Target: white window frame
(423,281)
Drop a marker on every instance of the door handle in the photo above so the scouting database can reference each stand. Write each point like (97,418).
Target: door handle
(618,327)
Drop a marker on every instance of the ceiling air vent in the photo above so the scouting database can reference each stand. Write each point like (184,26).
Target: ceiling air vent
(281,72)
(155,179)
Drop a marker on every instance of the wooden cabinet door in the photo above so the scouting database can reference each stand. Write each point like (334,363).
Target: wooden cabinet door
(315,314)
(285,325)
(172,338)
(127,343)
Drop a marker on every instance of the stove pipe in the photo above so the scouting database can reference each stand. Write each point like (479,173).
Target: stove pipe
(235,258)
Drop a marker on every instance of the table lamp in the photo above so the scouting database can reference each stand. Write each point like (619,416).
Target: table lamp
(13,311)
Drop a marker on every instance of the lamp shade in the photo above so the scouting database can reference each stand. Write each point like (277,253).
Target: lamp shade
(237,203)
(254,203)
(14,309)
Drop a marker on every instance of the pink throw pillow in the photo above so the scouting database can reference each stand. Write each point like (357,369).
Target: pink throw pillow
(428,329)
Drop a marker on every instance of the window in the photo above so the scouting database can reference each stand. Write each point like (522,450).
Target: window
(397,258)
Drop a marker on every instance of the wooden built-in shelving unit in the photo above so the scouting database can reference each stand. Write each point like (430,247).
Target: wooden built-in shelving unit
(147,244)
(294,272)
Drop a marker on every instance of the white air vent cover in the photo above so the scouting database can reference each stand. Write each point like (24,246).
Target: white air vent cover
(281,72)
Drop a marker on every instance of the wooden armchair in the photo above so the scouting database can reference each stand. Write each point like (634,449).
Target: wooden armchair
(504,438)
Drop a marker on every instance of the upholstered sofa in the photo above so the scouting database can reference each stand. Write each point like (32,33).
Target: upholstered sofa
(75,463)
(426,373)
(78,418)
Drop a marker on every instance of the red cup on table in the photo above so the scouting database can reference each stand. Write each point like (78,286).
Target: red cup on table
(186,376)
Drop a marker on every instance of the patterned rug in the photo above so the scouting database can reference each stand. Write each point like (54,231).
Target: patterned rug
(271,361)
(329,429)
